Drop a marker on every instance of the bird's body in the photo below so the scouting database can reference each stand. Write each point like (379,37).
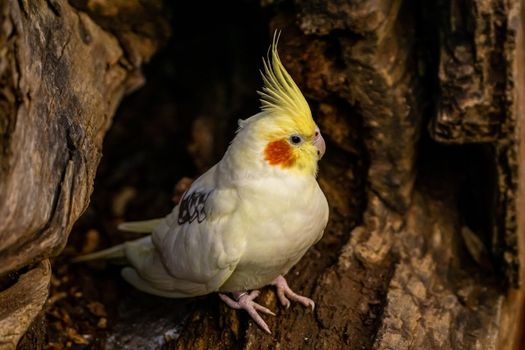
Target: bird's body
(245,244)
(274,242)
(246,221)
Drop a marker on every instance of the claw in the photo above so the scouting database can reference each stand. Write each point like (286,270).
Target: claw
(245,302)
(284,292)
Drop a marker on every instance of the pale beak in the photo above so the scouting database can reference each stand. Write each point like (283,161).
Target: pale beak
(318,142)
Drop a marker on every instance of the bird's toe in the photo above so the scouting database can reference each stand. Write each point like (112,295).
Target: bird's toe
(245,302)
(285,294)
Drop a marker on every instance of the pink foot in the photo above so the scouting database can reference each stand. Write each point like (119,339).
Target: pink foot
(284,292)
(245,301)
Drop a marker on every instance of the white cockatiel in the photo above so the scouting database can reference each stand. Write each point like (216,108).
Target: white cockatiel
(244,223)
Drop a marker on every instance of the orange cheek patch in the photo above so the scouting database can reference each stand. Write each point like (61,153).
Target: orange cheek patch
(279,153)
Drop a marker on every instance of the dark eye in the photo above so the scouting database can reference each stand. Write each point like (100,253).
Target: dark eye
(296,139)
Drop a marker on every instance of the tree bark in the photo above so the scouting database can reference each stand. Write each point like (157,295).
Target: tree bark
(422,105)
(435,262)
(63,72)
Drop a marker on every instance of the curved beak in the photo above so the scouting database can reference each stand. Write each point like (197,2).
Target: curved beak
(318,142)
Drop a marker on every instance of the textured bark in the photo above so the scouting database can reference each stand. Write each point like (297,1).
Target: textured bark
(22,302)
(435,263)
(421,104)
(62,76)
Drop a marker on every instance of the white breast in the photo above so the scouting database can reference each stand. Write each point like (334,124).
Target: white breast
(282,218)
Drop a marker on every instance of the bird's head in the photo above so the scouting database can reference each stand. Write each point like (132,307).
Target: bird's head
(288,137)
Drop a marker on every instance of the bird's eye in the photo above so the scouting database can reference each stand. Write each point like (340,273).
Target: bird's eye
(296,139)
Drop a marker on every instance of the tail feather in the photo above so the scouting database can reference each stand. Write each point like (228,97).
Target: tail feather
(119,251)
(116,252)
(133,278)
(146,226)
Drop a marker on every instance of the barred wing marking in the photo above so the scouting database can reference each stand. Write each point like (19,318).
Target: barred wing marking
(192,207)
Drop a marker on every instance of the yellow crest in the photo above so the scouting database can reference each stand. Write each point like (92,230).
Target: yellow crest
(280,96)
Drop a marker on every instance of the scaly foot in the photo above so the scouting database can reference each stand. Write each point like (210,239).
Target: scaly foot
(284,292)
(244,300)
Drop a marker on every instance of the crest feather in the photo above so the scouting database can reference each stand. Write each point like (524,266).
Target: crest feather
(280,95)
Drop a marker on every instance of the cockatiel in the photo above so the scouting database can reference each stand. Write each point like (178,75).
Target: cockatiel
(244,223)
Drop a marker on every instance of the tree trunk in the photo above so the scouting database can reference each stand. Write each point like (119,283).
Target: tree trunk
(429,97)
(62,76)
(422,105)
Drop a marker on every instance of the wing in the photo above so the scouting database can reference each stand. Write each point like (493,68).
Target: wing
(149,275)
(198,243)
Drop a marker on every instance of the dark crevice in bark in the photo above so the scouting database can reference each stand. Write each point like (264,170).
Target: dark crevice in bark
(54,6)
(419,105)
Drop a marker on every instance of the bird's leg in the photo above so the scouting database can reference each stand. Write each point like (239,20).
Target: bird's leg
(284,292)
(244,300)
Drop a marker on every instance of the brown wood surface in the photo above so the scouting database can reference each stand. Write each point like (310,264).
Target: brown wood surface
(421,103)
(62,76)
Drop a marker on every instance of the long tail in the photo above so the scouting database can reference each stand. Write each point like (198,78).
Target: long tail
(119,251)
(116,252)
